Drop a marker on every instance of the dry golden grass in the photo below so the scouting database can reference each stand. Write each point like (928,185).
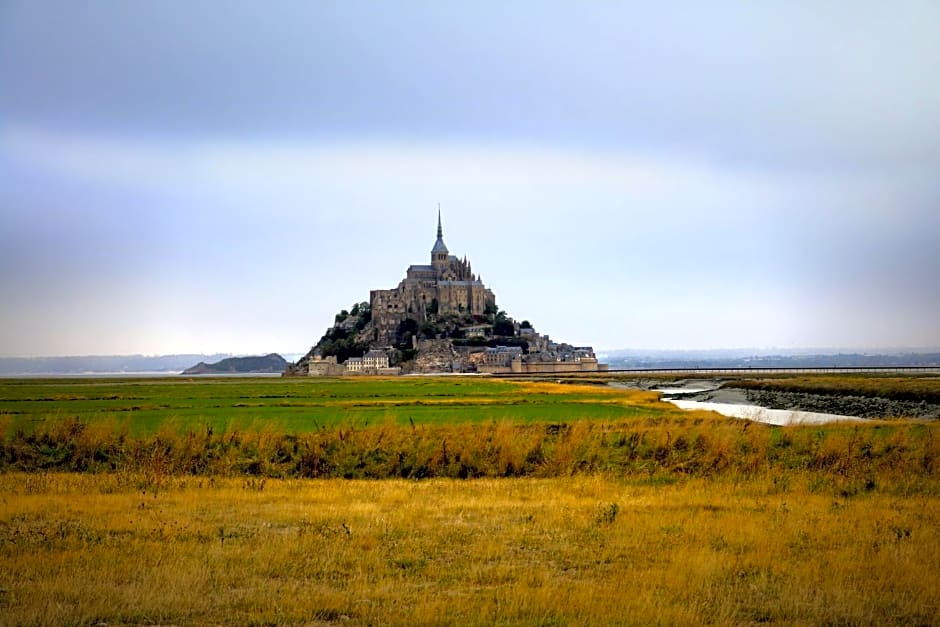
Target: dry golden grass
(82,549)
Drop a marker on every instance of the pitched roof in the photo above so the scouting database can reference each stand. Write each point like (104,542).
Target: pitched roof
(439,246)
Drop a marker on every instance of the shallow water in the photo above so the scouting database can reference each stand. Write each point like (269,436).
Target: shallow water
(781,417)
(685,391)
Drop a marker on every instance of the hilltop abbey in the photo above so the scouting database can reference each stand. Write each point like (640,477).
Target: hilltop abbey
(446,286)
(440,318)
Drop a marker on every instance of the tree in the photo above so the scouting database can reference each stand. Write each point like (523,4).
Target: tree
(429,330)
(525,324)
(406,330)
(504,327)
(365,313)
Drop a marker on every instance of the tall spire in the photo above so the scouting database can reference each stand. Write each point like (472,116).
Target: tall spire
(439,252)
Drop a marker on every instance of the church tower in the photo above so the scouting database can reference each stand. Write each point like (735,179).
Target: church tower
(439,253)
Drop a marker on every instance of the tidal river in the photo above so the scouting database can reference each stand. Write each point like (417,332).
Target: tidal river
(732,403)
(756,413)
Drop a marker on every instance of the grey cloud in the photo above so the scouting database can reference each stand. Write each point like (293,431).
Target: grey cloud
(753,171)
(775,81)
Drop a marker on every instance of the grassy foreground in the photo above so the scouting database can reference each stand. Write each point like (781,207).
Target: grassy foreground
(82,549)
(158,502)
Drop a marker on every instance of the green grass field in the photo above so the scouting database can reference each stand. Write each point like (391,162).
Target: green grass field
(304,405)
(417,428)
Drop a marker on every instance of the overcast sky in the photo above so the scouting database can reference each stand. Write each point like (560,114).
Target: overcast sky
(224,176)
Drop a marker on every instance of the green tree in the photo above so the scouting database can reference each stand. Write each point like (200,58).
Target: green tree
(406,330)
(504,327)
(429,330)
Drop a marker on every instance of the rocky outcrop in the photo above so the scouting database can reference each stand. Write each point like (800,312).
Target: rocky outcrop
(434,356)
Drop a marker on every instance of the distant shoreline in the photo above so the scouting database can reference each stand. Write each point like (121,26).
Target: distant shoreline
(134,375)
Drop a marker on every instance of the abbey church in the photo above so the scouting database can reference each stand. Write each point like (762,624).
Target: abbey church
(446,286)
(440,318)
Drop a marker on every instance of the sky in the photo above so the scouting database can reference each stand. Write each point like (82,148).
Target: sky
(224,177)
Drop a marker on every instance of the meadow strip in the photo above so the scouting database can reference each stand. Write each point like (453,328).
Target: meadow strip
(693,444)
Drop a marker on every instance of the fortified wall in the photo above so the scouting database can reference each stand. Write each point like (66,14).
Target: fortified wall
(520,366)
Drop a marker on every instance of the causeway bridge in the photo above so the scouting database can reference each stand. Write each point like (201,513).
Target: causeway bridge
(739,371)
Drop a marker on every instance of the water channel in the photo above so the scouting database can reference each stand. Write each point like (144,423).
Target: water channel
(744,410)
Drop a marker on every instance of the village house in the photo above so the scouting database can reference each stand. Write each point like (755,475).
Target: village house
(375,359)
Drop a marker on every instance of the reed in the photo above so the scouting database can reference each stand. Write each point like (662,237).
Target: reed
(692,444)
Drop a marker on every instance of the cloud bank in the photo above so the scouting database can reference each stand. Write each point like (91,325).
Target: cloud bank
(634,174)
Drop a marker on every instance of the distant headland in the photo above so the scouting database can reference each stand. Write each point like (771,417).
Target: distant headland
(241,365)
(440,319)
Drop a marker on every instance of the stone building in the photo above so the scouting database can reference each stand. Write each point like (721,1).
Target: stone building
(447,285)
(375,359)
(325,367)
(477,330)
(502,355)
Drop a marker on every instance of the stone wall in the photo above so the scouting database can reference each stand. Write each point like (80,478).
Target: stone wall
(388,310)
(375,372)
(325,368)
(544,367)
